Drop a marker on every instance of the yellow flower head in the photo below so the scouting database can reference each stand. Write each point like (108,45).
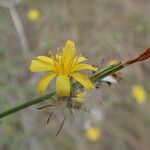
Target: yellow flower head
(112,62)
(93,134)
(33,14)
(63,66)
(139,93)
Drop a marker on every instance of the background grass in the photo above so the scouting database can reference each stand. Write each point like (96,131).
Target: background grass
(101,29)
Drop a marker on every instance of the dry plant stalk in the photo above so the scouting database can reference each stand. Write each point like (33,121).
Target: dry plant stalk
(141,57)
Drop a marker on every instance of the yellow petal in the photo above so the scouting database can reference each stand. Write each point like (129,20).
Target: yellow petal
(80,59)
(79,67)
(46,59)
(63,85)
(39,66)
(43,83)
(85,81)
(69,50)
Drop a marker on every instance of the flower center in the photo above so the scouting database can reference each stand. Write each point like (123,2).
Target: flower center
(62,64)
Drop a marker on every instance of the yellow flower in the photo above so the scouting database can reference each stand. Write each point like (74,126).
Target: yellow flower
(64,65)
(139,93)
(112,62)
(33,14)
(93,134)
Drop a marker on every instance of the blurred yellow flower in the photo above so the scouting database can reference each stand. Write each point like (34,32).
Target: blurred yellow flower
(139,93)
(33,14)
(63,65)
(93,134)
(112,62)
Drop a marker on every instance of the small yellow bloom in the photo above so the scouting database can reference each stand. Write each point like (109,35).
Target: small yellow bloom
(93,134)
(64,65)
(33,14)
(112,62)
(79,97)
(139,93)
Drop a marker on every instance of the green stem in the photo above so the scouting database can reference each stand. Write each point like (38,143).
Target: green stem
(26,104)
(97,76)
(102,73)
